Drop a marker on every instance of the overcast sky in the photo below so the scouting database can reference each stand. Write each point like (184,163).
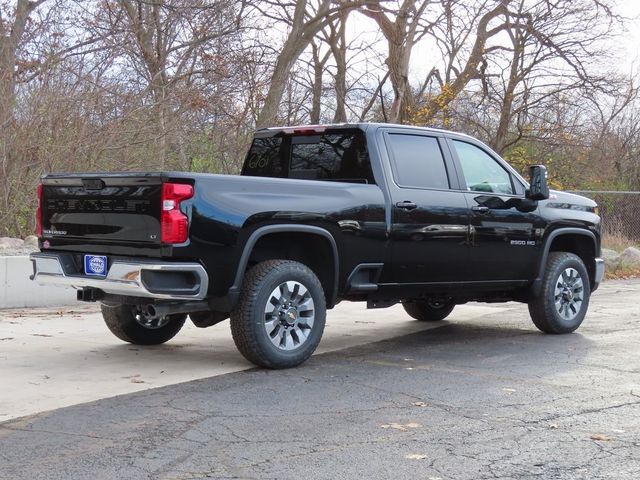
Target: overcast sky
(629,49)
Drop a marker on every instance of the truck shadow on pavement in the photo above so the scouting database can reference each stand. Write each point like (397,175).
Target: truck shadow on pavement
(474,346)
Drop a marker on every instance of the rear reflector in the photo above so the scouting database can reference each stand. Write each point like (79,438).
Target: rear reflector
(39,212)
(174,223)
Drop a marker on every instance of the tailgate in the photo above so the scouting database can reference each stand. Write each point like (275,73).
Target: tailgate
(104,208)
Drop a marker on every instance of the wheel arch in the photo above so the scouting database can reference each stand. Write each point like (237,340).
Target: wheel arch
(580,242)
(290,241)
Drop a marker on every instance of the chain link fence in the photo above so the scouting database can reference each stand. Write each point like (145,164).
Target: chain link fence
(620,212)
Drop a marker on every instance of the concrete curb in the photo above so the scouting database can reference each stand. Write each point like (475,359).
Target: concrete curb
(17,291)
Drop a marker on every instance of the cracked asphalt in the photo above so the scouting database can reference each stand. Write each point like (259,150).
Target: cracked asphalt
(483,398)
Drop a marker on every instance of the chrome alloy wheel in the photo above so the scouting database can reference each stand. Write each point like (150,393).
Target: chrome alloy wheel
(148,319)
(568,294)
(289,315)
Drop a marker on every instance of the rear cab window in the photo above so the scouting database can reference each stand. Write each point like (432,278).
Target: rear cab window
(339,156)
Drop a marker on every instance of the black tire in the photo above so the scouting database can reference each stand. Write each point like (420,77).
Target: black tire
(545,311)
(121,321)
(427,310)
(249,322)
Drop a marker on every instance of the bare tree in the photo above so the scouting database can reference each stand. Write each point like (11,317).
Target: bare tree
(402,26)
(305,21)
(485,28)
(13,27)
(167,41)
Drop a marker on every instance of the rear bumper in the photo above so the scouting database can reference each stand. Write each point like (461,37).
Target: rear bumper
(599,274)
(132,277)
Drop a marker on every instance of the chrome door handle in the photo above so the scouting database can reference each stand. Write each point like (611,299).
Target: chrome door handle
(406,205)
(480,209)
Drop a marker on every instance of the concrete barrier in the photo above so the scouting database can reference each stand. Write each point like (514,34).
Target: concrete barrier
(17,291)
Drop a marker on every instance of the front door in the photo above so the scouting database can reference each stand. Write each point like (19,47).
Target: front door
(505,227)
(429,228)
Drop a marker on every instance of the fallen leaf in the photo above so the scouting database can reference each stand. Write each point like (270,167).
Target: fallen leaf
(601,437)
(420,404)
(137,380)
(395,426)
(402,428)
(415,456)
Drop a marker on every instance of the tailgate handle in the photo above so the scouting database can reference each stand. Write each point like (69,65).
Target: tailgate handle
(93,184)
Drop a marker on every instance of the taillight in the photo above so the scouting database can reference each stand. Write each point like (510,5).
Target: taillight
(173,223)
(39,212)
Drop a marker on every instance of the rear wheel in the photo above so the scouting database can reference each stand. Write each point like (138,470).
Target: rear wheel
(280,315)
(428,310)
(563,302)
(130,324)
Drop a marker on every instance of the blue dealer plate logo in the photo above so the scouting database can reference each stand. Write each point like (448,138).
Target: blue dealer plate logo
(95,265)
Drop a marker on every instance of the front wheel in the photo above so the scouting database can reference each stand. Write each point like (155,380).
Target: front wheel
(428,310)
(130,324)
(564,299)
(280,316)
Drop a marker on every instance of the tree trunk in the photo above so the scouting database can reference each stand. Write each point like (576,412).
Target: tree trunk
(316,89)
(398,63)
(500,142)
(287,58)
(339,50)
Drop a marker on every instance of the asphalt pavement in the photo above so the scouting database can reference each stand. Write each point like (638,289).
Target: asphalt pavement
(481,397)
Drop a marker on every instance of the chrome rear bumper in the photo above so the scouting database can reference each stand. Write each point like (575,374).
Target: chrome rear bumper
(132,277)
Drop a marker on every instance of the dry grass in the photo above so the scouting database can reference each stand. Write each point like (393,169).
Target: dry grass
(621,273)
(614,239)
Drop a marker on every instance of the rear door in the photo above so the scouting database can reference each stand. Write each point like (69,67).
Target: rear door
(429,217)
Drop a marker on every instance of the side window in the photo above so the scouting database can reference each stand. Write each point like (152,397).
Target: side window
(264,158)
(481,172)
(418,161)
(339,157)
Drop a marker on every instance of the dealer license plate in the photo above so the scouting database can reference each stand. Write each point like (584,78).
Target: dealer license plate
(95,265)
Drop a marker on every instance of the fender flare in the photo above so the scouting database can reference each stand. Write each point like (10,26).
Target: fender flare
(536,287)
(234,290)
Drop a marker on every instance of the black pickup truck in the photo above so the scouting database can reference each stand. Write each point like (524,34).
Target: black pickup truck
(361,212)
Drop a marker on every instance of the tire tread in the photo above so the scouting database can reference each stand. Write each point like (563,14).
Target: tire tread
(541,310)
(242,326)
(120,321)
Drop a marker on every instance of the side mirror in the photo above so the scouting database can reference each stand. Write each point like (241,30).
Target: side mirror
(538,188)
